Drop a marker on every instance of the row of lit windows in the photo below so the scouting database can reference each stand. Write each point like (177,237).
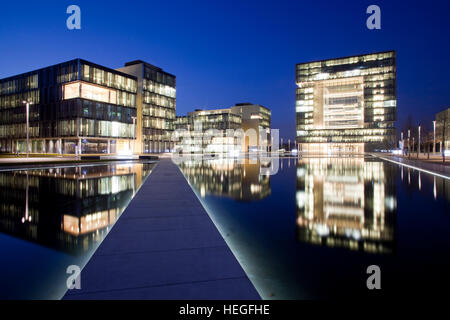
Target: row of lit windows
(88,127)
(16,100)
(305,125)
(98,128)
(97,93)
(374,74)
(349,60)
(156,99)
(157,123)
(343,139)
(348,132)
(18,130)
(165,90)
(157,136)
(18,85)
(109,79)
(155,111)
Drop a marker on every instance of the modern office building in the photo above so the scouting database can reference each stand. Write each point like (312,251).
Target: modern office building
(346,104)
(255,118)
(75,107)
(443,129)
(250,122)
(156,105)
(206,131)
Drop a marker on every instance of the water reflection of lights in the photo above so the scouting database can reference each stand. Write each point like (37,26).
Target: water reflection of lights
(62,206)
(434,188)
(242,179)
(345,202)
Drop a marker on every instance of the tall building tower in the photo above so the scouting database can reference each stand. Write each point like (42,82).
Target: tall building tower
(346,105)
(155,104)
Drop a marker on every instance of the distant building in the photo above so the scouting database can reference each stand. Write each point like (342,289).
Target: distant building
(346,104)
(443,129)
(208,131)
(250,124)
(258,118)
(76,106)
(156,105)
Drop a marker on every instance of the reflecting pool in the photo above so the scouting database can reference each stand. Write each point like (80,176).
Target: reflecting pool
(312,229)
(53,218)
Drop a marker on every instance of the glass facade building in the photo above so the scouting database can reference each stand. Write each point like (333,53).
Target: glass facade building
(76,107)
(156,107)
(347,104)
(207,131)
(250,124)
(256,118)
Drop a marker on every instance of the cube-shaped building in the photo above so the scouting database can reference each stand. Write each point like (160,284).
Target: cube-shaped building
(346,105)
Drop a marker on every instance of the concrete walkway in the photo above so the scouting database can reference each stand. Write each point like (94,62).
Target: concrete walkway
(164,246)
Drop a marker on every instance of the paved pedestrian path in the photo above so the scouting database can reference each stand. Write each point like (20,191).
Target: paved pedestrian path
(164,246)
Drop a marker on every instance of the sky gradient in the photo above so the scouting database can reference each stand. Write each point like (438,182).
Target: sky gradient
(225,52)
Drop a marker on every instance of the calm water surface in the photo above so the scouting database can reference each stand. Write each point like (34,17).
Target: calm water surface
(53,218)
(311,230)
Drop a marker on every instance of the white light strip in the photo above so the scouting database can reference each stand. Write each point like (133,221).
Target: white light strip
(415,168)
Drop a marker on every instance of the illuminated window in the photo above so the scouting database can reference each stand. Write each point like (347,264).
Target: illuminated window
(89,91)
(71,90)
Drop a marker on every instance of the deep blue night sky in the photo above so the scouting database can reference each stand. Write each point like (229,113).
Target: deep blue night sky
(224,52)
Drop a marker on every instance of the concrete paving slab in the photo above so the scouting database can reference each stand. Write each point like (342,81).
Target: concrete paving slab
(204,290)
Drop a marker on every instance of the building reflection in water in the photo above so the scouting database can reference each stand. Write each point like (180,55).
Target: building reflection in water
(235,179)
(68,208)
(346,202)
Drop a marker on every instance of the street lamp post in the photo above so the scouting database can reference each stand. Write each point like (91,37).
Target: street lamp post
(134,133)
(409,143)
(434,136)
(418,144)
(28,103)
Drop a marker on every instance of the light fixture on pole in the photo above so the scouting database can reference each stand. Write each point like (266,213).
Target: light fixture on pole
(134,133)
(409,142)
(28,103)
(434,136)
(418,144)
